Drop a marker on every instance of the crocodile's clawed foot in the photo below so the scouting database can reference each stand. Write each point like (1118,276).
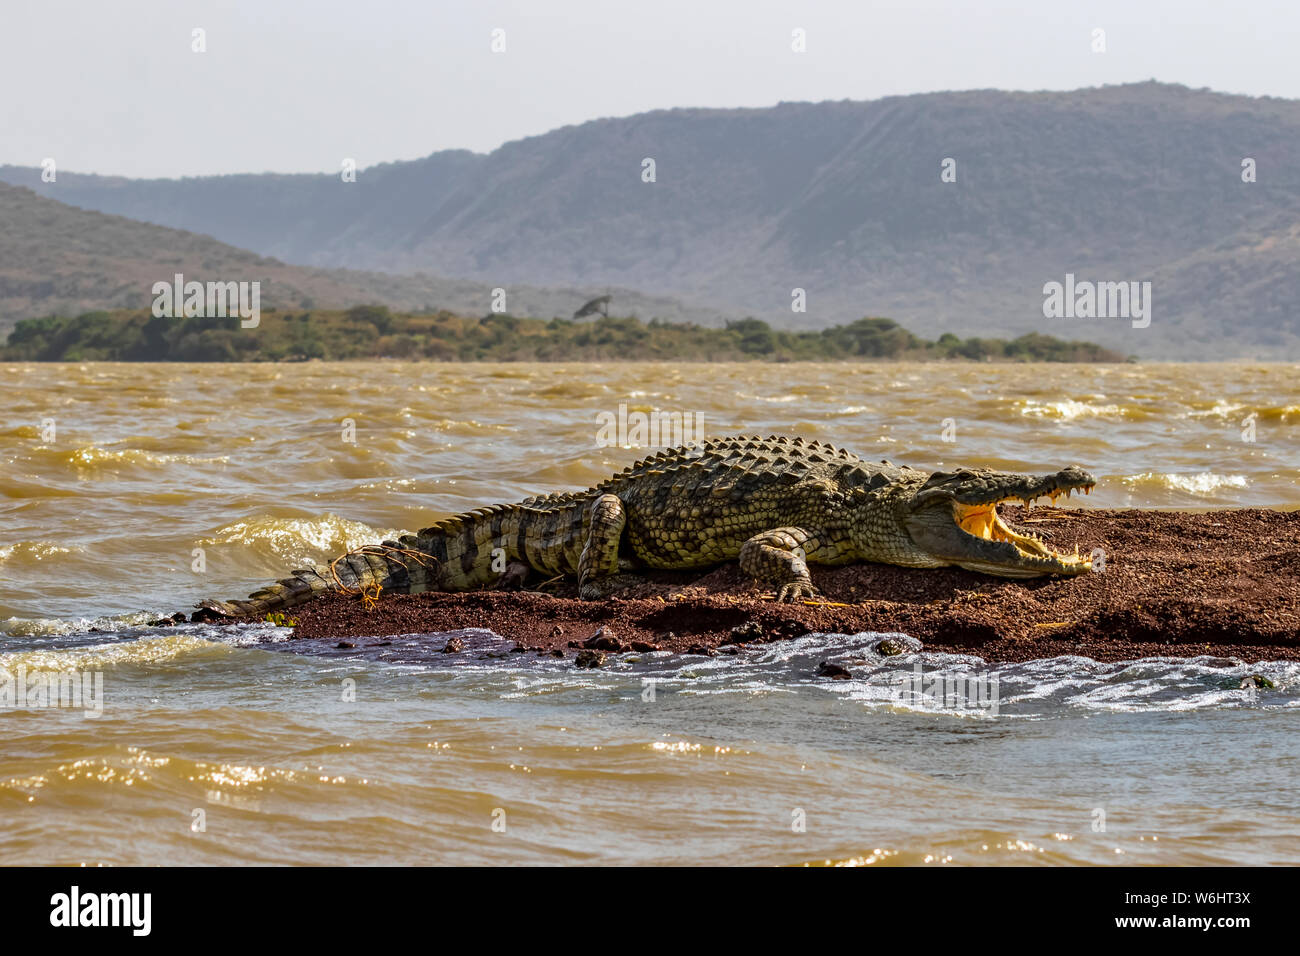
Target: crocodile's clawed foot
(798,591)
(598,589)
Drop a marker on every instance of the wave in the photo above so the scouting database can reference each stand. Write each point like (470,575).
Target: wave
(93,457)
(231,786)
(1285,414)
(62,627)
(1239,413)
(21,431)
(1204,484)
(1069,410)
(771,399)
(1220,409)
(33,550)
(574,389)
(302,540)
(960,687)
(468,427)
(143,651)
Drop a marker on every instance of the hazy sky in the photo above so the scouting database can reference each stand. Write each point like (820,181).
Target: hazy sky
(112,86)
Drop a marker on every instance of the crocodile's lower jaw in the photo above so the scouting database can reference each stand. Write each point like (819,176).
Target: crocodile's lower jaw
(1035,558)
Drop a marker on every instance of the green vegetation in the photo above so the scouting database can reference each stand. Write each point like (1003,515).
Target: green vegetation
(372,331)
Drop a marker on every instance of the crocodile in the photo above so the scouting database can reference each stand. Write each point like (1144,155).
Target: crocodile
(776,504)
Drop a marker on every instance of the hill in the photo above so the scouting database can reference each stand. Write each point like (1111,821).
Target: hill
(842,199)
(59,260)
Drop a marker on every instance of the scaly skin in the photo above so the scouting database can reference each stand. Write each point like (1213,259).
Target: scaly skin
(777,504)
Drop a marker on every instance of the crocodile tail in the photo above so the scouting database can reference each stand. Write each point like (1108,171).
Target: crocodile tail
(456,554)
(405,566)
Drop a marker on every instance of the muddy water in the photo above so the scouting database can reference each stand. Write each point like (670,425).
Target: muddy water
(128,489)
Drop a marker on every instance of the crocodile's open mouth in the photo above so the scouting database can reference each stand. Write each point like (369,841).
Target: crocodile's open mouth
(983,521)
(953,519)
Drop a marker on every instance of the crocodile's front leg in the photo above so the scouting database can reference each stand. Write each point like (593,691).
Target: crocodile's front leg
(598,566)
(777,557)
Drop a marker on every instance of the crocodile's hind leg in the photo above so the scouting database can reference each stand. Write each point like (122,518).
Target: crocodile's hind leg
(777,557)
(598,566)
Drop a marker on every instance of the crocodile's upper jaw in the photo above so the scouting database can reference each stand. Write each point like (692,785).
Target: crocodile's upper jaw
(957,522)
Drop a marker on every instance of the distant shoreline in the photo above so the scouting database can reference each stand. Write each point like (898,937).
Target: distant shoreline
(617,360)
(375,333)
(671,361)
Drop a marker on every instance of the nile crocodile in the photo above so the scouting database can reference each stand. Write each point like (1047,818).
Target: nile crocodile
(778,504)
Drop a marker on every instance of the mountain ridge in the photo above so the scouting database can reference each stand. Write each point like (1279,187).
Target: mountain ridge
(57,259)
(842,199)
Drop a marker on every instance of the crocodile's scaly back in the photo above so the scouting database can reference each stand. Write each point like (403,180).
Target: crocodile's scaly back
(697,505)
(738,462)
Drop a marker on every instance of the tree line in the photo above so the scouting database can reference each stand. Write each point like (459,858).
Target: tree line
(374,332)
